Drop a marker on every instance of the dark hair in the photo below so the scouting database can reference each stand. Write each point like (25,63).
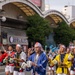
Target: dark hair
(2,52)
(10,45)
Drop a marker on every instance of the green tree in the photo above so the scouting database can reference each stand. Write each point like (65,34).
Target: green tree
(64,34)
(37,29)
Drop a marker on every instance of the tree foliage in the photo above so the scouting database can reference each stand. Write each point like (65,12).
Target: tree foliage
(37,29)
(64,34)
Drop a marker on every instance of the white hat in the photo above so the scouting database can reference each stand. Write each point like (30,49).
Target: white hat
(37,44)
(18,45)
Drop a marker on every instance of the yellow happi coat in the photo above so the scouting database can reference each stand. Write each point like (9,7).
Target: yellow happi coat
(68,60)
(59,69)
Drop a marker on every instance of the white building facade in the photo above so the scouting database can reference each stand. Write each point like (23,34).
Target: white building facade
(69,12)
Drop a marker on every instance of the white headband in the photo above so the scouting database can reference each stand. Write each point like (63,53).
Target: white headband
(37,44)
(63,46)
(73,47)
(18,45)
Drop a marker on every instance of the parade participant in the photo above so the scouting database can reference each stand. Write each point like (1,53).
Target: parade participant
(68,55)
(72,72)
(51,65)
(30,52)
(71,44)
(38,61)
(9,65)
(67,60)
(58,52)
(60,59)
(20,57)
(3,54)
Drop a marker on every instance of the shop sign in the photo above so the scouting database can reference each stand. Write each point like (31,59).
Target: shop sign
(4,41)
(17,40)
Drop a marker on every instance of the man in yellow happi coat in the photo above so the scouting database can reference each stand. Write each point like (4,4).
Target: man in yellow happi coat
(60,60)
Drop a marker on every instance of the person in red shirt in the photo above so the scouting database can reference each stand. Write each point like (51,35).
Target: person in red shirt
(3,54)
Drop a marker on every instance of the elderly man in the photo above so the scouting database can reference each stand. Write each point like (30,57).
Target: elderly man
(20,57)
(38,61)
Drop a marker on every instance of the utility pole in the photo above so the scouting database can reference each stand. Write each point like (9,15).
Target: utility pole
(43,5)
(2,19)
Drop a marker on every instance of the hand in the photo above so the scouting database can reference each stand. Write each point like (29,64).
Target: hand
(5,51)
(33,64)
(9,54)
(64,64)
(49,59)
(59,63)
(14,58)
(6,57)
(24,65)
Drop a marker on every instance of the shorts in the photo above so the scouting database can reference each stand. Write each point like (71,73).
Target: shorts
(62,74)
(51,68)
(69,69)
(9,69)
(72,72)
(18,73)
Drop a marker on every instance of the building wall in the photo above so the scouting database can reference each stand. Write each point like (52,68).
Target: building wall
(73,11)
(47,7)
(43,5)
(12,11)
(69,12)
(16,34)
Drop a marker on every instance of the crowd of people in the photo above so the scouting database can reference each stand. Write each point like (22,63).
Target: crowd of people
(63,60)
(37,60)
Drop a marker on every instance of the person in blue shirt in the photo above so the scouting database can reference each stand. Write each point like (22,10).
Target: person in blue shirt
(38,61)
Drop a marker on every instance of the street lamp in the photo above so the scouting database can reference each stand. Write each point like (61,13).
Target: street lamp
(2,19)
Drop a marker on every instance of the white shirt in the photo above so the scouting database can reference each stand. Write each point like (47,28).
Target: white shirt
(22,56)
(36,58)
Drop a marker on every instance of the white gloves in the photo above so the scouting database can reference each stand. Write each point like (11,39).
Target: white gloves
(11,60)
(51,57)
(5,60)
(69,57)
(23,65)
(28,64)
(54,61)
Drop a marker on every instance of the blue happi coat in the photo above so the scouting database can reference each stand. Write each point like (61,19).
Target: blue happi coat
(41,62)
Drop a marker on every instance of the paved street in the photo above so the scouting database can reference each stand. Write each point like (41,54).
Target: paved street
(3,73)
(2,70)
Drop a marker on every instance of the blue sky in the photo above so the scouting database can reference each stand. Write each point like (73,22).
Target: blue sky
(59,4)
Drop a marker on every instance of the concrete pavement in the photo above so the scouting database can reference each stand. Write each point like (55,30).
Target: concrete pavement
(2,71)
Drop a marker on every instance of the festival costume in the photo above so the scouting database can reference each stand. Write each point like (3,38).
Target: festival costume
(9,62)
(73,65)
(62,69)
(18,70)
(41,62)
